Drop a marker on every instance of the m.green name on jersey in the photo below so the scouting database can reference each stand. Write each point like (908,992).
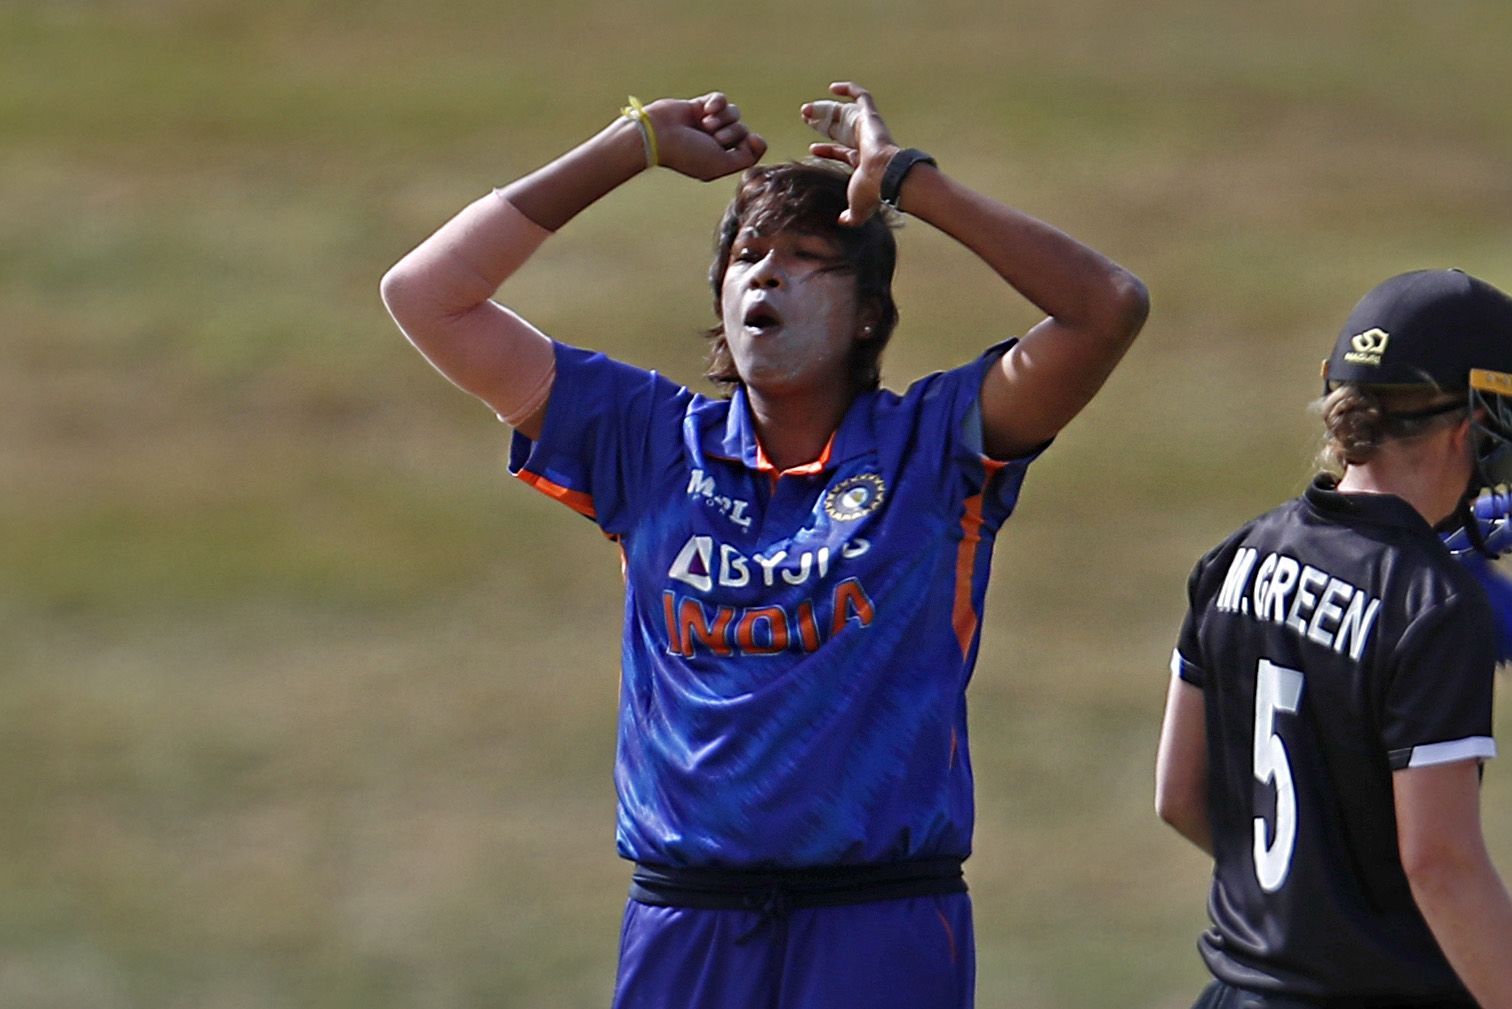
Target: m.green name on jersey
(1308,600)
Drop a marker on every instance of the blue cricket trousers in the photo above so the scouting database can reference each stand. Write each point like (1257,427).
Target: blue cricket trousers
(905,953)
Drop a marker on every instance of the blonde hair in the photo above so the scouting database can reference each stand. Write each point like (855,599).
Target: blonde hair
(1359,419)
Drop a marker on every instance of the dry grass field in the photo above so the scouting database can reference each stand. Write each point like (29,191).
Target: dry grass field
(304,703)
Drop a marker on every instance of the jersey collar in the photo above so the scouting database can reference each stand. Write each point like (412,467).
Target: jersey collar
(1378,509)
(736,441)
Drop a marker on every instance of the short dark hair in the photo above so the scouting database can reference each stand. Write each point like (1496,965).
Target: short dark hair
(809,196)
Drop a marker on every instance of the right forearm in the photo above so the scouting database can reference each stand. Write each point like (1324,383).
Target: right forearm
(461,265)
(556,193)
(466,259)
(1192,824)
(464,262)
(441,293)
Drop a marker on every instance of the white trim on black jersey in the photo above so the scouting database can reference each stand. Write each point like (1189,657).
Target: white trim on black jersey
(1478,748)
(1179,663)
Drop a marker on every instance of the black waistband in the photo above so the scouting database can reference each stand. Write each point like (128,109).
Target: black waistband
(766,890)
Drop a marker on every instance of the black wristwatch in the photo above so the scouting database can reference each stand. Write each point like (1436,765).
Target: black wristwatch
(897,170)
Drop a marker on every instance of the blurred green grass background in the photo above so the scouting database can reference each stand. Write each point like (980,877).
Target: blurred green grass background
(305,703)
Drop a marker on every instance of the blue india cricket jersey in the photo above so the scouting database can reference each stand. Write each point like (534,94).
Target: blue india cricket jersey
(796,645)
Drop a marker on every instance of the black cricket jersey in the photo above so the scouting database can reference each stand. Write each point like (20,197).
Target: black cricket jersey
(1335,640)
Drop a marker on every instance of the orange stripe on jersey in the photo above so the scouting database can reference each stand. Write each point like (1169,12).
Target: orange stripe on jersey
(964,615)
(574,499)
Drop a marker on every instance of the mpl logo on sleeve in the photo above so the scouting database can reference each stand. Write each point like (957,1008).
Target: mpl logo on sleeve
(1367,347)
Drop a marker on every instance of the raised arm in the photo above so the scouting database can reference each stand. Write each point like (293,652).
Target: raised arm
(440,293)
(1453,881)
(1093,307)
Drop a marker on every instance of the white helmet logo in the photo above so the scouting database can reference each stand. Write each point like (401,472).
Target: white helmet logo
(1368,347)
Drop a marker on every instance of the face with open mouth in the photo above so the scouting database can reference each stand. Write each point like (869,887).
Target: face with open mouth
(790,311)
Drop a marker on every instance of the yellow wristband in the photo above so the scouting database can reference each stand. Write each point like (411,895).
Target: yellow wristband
(636,112)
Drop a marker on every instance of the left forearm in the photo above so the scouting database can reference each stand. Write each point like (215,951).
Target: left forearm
(1067,280)
(1453,881)
(1094,308)
(1467,907)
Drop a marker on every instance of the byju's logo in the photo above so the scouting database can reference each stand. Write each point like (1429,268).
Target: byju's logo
(1367,347)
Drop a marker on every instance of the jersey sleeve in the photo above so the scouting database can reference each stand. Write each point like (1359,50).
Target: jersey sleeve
(608,426)
(1437,705)
(950,418)
(1186,656)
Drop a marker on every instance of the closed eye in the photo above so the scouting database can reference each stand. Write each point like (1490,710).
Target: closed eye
(821,256)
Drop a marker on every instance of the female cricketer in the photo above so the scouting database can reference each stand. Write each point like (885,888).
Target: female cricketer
(1330,704)
(805,559)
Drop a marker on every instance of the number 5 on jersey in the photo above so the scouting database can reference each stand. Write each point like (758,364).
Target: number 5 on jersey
(1277,689)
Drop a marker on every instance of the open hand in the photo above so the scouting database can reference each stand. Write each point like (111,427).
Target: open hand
(859,138)
(703,137)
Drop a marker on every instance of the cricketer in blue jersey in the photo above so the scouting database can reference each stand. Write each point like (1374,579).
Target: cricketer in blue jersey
(805,560)
(796,644)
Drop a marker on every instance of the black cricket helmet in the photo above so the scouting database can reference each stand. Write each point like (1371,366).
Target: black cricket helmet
(1439,328)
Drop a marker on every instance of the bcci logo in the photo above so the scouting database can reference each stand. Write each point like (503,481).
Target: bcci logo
(1367,347)
(855,497)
